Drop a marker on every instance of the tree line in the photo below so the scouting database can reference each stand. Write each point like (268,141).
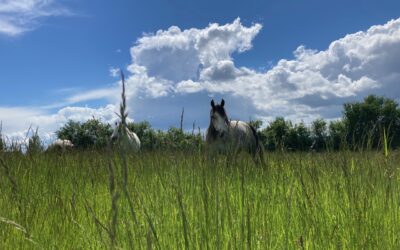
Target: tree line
(370,124)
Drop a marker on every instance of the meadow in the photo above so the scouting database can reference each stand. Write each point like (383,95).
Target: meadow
(188,200)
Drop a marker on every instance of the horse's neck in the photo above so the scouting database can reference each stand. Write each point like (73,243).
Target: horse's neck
(212,132)
(211,129)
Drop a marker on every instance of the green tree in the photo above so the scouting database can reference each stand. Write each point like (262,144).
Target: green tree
(299,137)
(276,134)
(318,134)
(337,134)
(365,121)
(90,134)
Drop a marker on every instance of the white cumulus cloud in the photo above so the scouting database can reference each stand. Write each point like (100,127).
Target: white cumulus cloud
(197,64)
(178,55)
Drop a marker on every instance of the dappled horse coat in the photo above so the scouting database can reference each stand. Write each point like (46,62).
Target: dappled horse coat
(224,135)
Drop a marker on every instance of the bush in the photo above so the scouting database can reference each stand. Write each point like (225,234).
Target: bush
(90,134)
(172,139)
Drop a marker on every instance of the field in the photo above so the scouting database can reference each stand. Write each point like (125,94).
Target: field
(187,200)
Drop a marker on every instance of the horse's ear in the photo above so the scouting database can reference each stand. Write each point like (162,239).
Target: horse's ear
(222,103)
(212,103)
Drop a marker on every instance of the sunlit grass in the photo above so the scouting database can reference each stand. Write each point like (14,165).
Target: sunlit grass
(180,200)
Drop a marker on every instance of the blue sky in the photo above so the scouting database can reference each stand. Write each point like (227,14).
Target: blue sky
(266,58)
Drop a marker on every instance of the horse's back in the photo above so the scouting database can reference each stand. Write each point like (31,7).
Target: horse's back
(240,129)
(241,133)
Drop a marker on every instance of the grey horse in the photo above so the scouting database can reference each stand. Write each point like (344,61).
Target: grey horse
(224,135)
(133,139)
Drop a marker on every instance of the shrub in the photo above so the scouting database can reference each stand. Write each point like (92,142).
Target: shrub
(90,134)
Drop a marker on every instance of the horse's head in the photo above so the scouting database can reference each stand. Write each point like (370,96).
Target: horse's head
(116,132)
(218,116)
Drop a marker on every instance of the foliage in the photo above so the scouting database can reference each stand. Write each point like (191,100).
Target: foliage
(173,138)
(366,120)
(177,139)
(299,137)
(276,134)
(337,135)
(362,126)
(95,134)
(318,134)
(90,134)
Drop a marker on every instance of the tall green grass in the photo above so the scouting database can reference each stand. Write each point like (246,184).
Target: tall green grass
(187,200)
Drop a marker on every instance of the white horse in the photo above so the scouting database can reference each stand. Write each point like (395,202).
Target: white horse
(224,135)
(133,139)
(60,144)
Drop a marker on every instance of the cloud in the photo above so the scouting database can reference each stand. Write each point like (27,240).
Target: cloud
(177,55)
(175,68)
(197,64)
(20,16)
(222,71)
(76,95)
(110,93)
